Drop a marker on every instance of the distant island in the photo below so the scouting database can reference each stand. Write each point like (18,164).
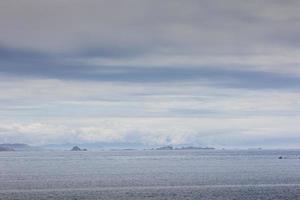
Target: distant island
(6,149)
(184,148)
(165,148)
(195,148)
(76,148)
(15,147)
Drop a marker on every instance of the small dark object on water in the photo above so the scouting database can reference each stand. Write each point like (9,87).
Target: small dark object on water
(281,157)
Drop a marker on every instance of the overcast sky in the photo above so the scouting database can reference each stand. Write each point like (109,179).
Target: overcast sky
(200,72)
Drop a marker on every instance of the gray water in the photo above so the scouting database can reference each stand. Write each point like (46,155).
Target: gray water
(199,174)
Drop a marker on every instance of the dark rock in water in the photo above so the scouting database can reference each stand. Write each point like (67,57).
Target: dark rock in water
(280,157)
(6,149)
(76,148)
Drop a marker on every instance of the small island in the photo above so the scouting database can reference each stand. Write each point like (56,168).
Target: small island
(15,147)
(195,148)
(76,148)
(165,148)
(6,149)
(184,148)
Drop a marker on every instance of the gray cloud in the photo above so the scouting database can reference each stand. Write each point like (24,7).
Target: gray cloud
(46,39)
(152,26)
(32,64)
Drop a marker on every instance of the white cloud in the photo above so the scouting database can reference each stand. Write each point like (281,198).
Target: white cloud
(217,132)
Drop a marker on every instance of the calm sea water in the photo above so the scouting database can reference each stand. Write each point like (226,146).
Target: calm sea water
(150,175)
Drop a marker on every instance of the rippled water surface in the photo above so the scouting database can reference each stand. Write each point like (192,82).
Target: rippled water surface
(198,174)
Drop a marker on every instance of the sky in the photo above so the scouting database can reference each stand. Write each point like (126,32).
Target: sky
(195,72)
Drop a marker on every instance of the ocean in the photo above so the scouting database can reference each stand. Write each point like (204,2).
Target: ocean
(150,174)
